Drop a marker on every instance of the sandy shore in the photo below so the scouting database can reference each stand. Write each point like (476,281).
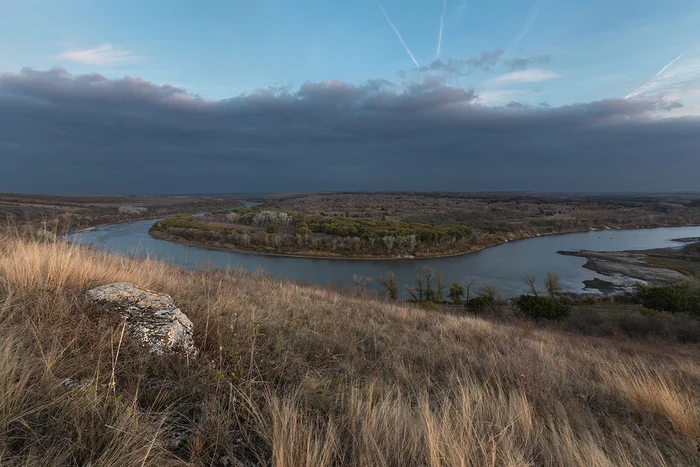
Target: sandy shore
(624,268)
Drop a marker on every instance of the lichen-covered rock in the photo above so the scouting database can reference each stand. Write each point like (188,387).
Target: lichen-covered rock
(151,317)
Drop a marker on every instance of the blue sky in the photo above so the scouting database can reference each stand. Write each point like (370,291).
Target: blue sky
(219,49)
(271,95)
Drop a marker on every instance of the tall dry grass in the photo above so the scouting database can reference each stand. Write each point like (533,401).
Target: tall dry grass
(303,376)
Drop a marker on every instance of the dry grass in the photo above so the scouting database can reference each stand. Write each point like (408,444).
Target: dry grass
(304,376)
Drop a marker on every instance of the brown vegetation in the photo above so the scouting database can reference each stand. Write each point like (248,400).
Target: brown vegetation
(59,213)
(400,225)
(297,375)
(508,216)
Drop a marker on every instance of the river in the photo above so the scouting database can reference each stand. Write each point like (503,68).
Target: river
(503,266)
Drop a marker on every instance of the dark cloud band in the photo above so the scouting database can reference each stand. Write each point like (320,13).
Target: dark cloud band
(65,133)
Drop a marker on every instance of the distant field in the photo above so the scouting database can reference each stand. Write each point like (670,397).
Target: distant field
(62,212)
(507,212)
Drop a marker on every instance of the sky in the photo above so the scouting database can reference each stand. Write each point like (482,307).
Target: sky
(272,95)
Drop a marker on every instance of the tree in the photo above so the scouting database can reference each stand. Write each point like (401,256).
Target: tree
(489,291)
(419,290)
(440,286)
(391,284)
(456,292)
(232,217)
(411,241)
(413,293)
(428,277)
(361,283)
(389,242)
(303,229)
(531,283)
(468,288)
(551,283)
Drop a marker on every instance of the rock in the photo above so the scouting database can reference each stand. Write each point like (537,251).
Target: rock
(151,317)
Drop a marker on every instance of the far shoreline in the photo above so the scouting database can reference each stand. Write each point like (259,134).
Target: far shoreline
(405,258)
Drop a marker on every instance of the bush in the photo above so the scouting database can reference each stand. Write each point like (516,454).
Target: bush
(537,307)
(480,304)
(272,228)
(456,292)
(639,323)
(672,298)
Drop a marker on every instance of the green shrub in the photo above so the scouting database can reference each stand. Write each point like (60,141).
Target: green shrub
(272,228)
(480,304)
(538,307)
(672,298)
(456,292)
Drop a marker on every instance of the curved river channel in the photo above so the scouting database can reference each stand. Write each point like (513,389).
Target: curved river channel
(502,266)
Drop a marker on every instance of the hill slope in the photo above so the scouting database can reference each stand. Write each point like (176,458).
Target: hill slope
(306,376)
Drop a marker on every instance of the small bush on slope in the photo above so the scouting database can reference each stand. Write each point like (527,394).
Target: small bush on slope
(539,307)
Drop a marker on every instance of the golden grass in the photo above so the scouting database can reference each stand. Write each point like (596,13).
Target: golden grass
(304,376)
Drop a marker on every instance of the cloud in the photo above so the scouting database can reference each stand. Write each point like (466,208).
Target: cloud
(526,76)
(497,97)
(487,61)
(522,63)
(105,54)
(681,74)
(86,133)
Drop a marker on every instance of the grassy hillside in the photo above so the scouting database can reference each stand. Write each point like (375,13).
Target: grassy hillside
(304,376)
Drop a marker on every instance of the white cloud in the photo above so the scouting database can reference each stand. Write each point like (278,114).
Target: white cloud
(526,76)
(681,74)
(103,55)
(494,98)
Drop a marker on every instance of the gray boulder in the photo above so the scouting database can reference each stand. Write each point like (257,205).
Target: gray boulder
(151,317)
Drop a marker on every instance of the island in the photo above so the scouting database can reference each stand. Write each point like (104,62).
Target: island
(415,225)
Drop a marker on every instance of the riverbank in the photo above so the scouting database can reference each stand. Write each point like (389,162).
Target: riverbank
(659,266)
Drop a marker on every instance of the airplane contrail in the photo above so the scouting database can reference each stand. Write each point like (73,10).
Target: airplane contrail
(529,21)
(442,23)
(666,67)
(644,87)
(398,34)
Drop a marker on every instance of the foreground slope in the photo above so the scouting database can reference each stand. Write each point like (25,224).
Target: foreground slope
(306,376)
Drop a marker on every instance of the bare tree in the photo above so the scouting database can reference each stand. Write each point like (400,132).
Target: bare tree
(401,241)
(419,282)
(551,283)
(488,290)
(413,293)
(531,283)
(440,286)
(411,240)
(389,242)
(468,288)
(429,276)
(361,283)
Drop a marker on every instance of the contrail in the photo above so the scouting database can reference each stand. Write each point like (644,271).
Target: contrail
(666,67)
(529,21)
(640,90)
(398,34)
(442,23)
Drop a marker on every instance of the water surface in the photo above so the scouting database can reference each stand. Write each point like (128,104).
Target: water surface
(503,266)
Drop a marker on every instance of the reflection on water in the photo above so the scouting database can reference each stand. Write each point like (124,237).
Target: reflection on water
(503,266)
